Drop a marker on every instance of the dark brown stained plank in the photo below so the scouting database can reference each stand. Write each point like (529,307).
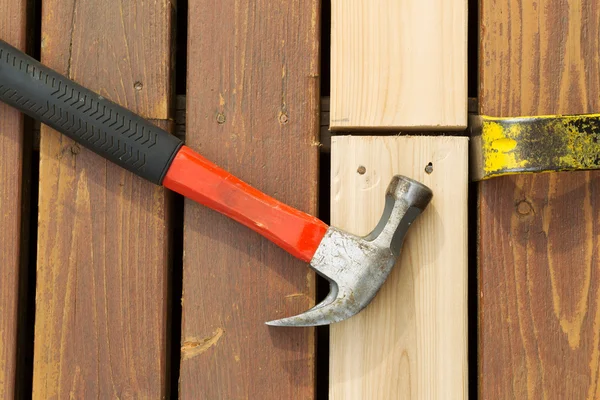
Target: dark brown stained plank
(101,301)
(12,30)
(253,108)
(539,259)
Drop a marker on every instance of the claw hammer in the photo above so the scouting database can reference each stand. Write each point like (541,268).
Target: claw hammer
(356,267)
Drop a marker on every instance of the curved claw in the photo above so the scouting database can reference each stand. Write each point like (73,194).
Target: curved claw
(313,317)
(326,312)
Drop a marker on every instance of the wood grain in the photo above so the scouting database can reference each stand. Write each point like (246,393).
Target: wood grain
(101,317)
(253,108)
(399,64)
(12,30)
(411,341)
(539,261)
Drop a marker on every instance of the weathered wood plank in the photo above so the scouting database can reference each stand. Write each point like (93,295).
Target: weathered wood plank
(12,30)
(539,262)
(399,64)
(101,310)
(411,341)
(253,108)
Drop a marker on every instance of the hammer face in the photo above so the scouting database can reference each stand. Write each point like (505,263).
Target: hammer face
(357,267)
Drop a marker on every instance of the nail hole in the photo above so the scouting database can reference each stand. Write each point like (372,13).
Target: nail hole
(138,85)
(361,170)
(429,168)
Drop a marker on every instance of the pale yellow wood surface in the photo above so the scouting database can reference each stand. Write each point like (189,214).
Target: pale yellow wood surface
(411,341)
(399,64)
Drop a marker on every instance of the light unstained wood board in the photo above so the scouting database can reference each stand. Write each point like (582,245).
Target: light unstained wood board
(101,299)
(253,108)
(12,30)
(539,261)
(398,64)
(411,341)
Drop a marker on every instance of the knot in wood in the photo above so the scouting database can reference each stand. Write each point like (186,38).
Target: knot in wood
(524,207)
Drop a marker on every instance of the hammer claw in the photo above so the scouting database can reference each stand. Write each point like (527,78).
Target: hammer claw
(323,313)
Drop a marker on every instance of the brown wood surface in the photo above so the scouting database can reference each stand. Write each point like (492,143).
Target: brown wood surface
(101,301)
(12,30)
(252,107)
(539,260)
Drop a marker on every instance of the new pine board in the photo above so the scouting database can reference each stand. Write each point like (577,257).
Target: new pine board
(101,300)
(12,30)
(539,261)
(398,64)
(411,341)
(252,108)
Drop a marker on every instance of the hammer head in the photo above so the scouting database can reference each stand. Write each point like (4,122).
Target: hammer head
(356,267)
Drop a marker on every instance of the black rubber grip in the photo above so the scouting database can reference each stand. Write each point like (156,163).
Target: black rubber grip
(86,117)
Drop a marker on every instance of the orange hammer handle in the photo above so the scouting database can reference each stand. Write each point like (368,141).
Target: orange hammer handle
(137,145)
(195,177)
